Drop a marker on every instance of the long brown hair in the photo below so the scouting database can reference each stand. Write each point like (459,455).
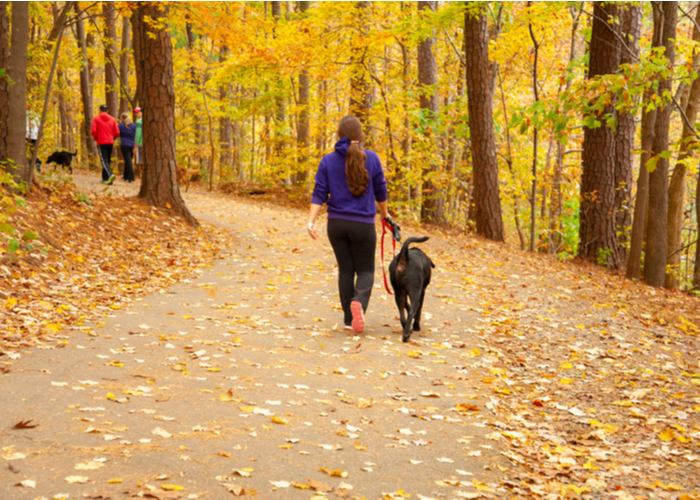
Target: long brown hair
(355,170)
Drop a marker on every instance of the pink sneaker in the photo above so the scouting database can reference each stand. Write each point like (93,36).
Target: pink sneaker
(358,318)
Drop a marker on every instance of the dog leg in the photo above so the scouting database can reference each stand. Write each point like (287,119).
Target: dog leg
(419,311)
(415,304)
(400,298)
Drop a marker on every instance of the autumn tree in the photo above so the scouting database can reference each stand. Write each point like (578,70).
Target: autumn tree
(4,80)
(110,40)
(429,105)
(597,230)
(656,228)
(360,91)
(630,28)
(15,126)
(89,145)
(677,186)
(154,71)
(486,196)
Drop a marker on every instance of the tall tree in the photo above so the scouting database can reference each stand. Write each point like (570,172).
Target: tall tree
(360,91)
(4,81)
(597,230)
(676,188)
(225,118)
(631,27)
(303,129)
(535,133)
(154,71)
(89,145)
(429,104)
(124,66)
(110,45)
(486,196)
(17,71)
(656,229)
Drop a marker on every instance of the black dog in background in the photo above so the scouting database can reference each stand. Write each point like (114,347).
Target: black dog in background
(62,159)
(410,273)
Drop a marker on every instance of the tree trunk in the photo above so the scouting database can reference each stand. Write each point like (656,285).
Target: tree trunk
(535,132)
(657,229)
(676,189)
(225,120)
(154,70)
(124,66)
(486,196)
(431,206)
(360,92)
(634,262)
(111,80)
(4,85)
(597,230)
(630,27)
(89,145)
(17,71)
(303,128)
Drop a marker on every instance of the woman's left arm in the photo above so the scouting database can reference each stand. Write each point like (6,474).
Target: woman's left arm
(311,226)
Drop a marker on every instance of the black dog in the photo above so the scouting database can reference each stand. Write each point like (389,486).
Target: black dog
(410,275)
(61,158)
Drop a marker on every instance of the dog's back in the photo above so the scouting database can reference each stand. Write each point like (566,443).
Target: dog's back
(62,158)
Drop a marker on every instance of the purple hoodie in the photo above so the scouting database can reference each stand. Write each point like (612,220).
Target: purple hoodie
(332,186)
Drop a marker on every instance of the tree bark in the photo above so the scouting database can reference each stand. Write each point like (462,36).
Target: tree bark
(676,189)
(4,83)
(535,131)
(303,129)
(360,91)
(90,147)
(124,66)
(657,230)
(225,120)
(597,230)
(431,206)
(154,70)
(486,196)
(17,71)
(110,37)
(630,26)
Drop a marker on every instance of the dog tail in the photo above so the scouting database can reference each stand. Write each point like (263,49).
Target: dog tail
(403,254)
(72,154)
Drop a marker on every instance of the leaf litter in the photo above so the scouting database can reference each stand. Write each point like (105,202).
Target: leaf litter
(585,383)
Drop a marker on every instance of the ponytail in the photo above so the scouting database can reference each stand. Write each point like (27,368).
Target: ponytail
(355,170)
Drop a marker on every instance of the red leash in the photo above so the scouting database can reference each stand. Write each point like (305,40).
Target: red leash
(386,225)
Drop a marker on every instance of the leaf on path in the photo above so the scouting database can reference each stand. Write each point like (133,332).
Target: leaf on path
(24,424)
(91,465)
(77,479)
(319,486)
(27,483)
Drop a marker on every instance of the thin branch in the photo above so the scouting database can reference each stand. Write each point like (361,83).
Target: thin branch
(685,117)
(459,54)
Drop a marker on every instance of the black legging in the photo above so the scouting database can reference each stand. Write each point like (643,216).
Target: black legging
(354,245)
(128,154)
(105,152)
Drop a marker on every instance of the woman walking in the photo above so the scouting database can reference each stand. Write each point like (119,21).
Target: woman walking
(127,131)
(350,180)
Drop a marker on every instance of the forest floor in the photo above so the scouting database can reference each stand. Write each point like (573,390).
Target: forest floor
(142,358)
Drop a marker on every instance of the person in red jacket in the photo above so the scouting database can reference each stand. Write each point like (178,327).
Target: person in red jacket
(104,131)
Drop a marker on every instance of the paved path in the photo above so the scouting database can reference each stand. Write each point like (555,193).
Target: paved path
(242,380)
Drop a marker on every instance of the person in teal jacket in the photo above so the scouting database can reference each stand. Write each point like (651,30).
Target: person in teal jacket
(138,141)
